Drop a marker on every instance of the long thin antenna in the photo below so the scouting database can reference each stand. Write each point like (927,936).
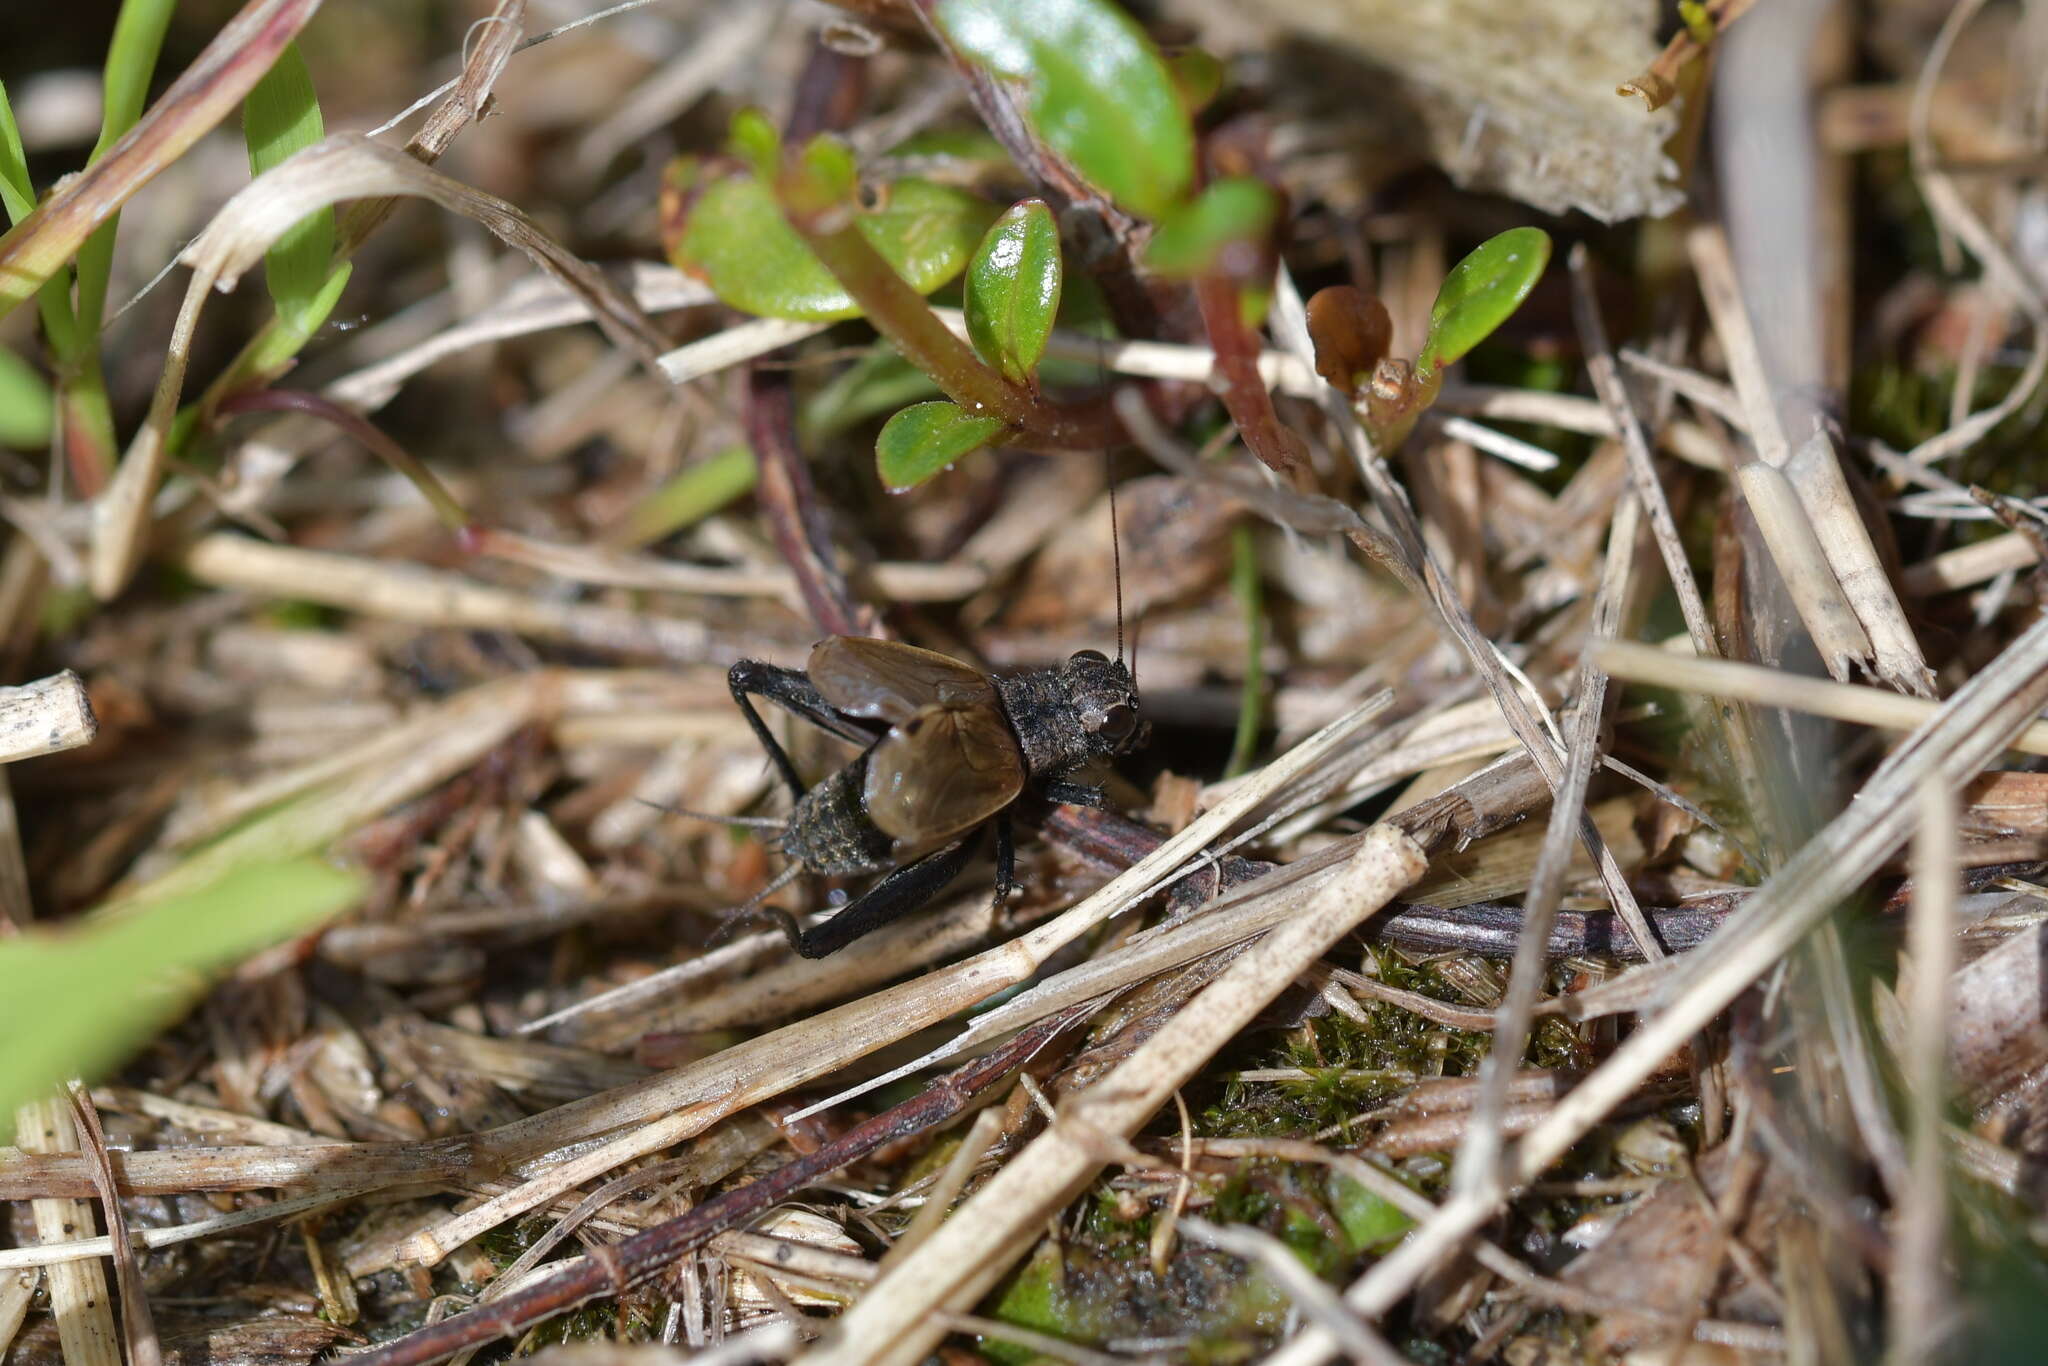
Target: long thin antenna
(1116,560)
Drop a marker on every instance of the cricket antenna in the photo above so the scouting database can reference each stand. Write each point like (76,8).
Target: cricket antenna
(1116,561)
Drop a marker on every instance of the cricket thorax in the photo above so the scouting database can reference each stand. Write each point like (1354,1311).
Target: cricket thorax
(829,831)
(1065,718)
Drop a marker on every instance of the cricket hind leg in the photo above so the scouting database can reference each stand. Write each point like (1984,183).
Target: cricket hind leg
(1006,859)
(793,690)
(898,894)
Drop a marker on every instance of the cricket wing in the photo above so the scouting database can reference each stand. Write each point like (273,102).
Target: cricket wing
(884,681)
(941,771)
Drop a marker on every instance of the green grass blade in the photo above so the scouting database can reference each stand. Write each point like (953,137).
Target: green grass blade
(17,191)
(77,1000)
(280,117)
(691,496)
(131,60)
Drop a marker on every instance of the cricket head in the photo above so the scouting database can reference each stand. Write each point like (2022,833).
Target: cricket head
(1105,700)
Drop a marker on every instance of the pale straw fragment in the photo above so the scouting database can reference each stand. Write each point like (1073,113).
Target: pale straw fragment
(896,1321)
(1670,668)
(693,1097)
(1967,732)
(1920,1285)
(1788,528)
(79,1298)
(44,717)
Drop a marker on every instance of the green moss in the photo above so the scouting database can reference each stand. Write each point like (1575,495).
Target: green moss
(1091,1293)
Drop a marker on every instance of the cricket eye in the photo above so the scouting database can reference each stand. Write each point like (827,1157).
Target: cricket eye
(1115,723)
(1096,656)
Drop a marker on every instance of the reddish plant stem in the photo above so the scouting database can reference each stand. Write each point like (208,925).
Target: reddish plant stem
(828,93)
(616,1269)
(367,433)
(789,502)
(1244,389)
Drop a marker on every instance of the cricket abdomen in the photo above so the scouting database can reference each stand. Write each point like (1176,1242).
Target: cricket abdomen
(830,833)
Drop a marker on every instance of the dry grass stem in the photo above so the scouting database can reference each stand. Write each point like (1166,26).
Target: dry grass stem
(1479,1164)
(1965,734)
(79,1301)
(1786,522)
(1920,1292)
(1666,668)
(44,717)
(892,1322)
(425,597)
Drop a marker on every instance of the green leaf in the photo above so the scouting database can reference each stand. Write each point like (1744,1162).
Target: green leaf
(737,240)
(1482,292)
(27,409)
(1370,1222)
(1198,76)
(281,117)
(691,496)
(1101,97)
(879,382)
(17,191)
(1013,290)
(1199,237)
(131,61)
(925,438)
(826,175)
(76,1000)
(754,139)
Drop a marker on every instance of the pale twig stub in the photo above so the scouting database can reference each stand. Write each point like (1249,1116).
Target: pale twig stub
(45,716)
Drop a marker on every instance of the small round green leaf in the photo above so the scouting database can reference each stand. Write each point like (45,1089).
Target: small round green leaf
(1198,237)
(925,438)
(1482,292)
(737,240)
(753,138)
(1013,290)
(1198,76)
(1101,96)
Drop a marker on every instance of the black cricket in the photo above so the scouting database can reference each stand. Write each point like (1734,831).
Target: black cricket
(946,750)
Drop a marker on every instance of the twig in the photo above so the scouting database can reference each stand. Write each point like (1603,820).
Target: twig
(44,717)
(1775,688)
(616,1269)
(78,1290)
(1967,732)
(789,502)
(138,1327)
(893,1322)
(1479,1157)
(1920,1290)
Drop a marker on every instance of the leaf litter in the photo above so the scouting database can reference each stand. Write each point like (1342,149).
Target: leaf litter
(1581,972)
